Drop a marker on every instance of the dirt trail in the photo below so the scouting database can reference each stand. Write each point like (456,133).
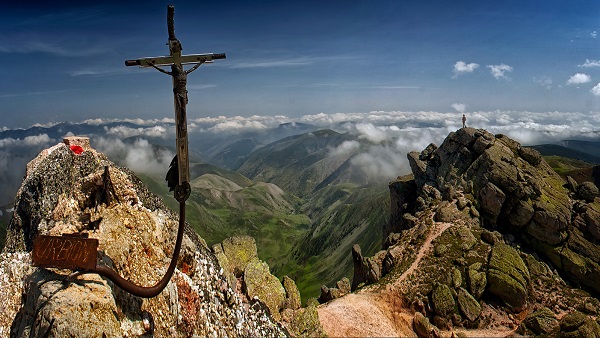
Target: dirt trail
(367,314)
(375,314)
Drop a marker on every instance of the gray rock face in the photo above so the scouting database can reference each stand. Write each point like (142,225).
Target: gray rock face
(587,191)
(492,199)
(514,189)
(62,193)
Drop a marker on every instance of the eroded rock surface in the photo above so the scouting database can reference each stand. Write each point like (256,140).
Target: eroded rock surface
(65,192)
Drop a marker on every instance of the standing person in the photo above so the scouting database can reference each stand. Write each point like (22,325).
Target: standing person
(464,120)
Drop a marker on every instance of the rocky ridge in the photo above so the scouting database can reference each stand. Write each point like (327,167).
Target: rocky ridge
(67,192)
(485,239)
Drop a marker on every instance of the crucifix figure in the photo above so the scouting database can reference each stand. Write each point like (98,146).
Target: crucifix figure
(179,75)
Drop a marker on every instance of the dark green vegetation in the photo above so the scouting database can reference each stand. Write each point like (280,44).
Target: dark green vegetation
(224,203)
(581,166)
(549,150)
(302,164)
(342,215)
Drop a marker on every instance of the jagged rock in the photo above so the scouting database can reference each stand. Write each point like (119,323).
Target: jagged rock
(576,324)
(418,168)
(587,191)
(343,285)
(359,267)
(428,152)
(262,284)
(423,328)
(572,321)
(136,231)
(483,142)
(466,238)
(240,250)
(442,323)
(305,323)
(477,281)
(530,155)
(223,260)
(403,193)
(456,278)
(491,237)
(393,256)
(292,295)
(592,219)
(468,305)
(492,199)
(572,184)
(443,302)
(507,276)
(462,203)
(540,322)
(392,239)
(521,213)
(446,212)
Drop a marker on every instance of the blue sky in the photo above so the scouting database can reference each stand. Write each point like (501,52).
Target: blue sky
(64,61)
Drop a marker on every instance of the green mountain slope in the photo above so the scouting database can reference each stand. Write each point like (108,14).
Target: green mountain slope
(575,154)
(343,215)
(224,204)
(301,163)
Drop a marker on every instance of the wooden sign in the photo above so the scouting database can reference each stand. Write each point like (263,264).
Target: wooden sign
(73,252)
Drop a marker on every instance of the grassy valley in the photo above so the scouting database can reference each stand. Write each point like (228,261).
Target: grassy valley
(224,204)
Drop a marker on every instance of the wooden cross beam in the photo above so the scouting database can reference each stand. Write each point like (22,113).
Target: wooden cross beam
(177,61)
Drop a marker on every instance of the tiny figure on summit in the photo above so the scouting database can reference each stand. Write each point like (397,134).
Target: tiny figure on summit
(464,120)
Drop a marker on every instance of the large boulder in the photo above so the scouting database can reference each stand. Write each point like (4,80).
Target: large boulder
(468,305)
(240,250)
(508,277)
(443,302)
(262,284)
(540,322)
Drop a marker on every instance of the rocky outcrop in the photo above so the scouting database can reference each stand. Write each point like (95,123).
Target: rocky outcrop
(254,283)
(67,191)
(486,200)
(513,189)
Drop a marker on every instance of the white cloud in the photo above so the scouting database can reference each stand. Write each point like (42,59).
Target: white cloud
(237,126)
(579,78)
(498,71)
(544,81)
(596,90)
(590,63)
(125,132)
(37,140)
(28,141)
(593,34)
(460,107)
(345,149)
(461,67)
(139,156)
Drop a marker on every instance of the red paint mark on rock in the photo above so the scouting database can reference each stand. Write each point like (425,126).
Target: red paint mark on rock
(76,149)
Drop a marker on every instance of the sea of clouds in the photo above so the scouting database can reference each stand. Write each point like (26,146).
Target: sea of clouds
(382,138)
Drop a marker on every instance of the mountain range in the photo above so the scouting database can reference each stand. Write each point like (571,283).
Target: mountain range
(295,188)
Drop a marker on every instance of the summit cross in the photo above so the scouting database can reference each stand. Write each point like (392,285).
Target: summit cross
(176,60)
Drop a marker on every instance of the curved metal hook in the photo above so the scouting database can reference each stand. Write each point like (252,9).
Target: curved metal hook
(150,291)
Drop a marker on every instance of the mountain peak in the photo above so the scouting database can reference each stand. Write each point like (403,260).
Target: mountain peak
(71,188)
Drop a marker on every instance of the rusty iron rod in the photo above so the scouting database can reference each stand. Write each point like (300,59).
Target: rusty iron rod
(149,291)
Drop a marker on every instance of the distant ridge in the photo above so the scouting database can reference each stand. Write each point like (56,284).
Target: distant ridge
(568,152)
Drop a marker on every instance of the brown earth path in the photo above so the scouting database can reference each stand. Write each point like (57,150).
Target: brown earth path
(382,313)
